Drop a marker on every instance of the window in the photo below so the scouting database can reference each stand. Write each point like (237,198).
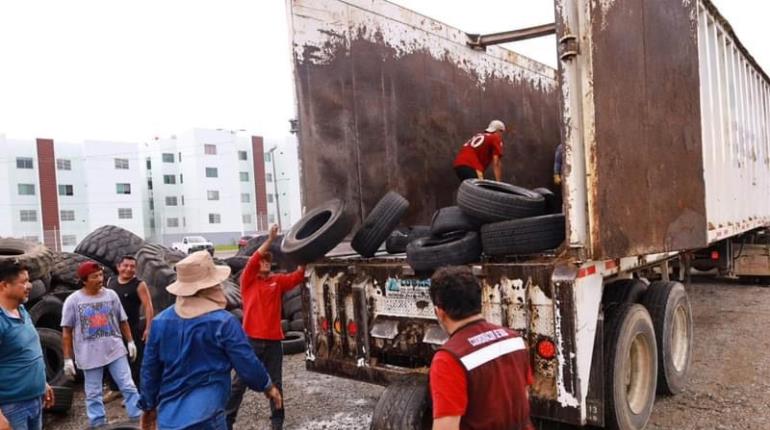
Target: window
(268,157)
(26,189)
(181,179)
(66,190)
(23,163)
(243,155)
(245,197)
(270,198)
(211,172)
(171,201)
(244,176)
(212,195)
(28,215)
(180,156)
(271,218)
(172,222)
(210,149)
(269,177)
(152,204)
(184,222)
(125,213)
(62,164)
(67,215)
(69,240)
(149,164)
(121,163)
(168,157)
(149,184)
(123,188)
(169,179)
(247,218)
(182,200)
(214,219)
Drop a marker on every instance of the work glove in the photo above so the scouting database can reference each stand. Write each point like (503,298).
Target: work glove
(69,367)
(557,179)
(132,351)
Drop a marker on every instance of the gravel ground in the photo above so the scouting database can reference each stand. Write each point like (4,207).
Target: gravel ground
(729,389)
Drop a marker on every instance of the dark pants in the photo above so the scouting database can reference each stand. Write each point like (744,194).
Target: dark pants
(465,172)
(270,353)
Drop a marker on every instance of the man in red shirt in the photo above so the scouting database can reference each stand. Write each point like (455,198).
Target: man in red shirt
(479,377)
(481,149)
(262,294)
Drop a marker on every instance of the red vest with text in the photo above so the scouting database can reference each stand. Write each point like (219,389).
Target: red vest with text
(497,365)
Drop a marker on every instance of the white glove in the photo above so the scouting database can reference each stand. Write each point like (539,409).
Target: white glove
(132,350)
(69,367)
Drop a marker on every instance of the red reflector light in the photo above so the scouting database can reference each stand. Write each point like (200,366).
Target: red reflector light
(546,349)
(324,324)
(352,328)
(715,255)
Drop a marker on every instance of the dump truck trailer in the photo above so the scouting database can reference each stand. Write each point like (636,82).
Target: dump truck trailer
(665,118)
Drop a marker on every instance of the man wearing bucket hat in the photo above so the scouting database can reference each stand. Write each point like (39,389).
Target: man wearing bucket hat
(92,322)
(479,151)
(193,346)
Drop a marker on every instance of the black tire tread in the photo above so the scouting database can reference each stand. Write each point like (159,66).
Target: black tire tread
(379,223)
(403,405)
(452,218)
(307,250)
(293,343)
(108,243)
(36,257)
(523,236)
(492,205)
(424,257)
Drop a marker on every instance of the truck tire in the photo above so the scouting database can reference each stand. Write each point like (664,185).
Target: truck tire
(62,398)
(317,233)
(523,236)
(430,253)
(237,263)
(404,405)
(232,294)
(631,367)
(292,305)
(297,325)
(452,218)
(284,325)
(623,291)
(492,201)
(107,244)
(65,268)
(35,257)
(671,314)
(293,342)
(401,237)
(53,356)
(552,203)
(155,266)
(38,291)
(382,219)
(46,313)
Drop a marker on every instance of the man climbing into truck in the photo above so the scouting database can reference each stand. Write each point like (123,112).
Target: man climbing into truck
(479,151)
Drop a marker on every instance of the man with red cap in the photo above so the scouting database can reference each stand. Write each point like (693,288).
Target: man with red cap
(480,150)
(92,322)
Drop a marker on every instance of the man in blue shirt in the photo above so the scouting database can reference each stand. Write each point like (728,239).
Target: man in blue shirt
(193,346)
(23,391)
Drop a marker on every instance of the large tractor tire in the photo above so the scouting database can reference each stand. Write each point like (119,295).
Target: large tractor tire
(108,244)
(35,257)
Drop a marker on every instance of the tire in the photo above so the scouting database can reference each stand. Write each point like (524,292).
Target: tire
(623,291)
(631,367)
(297,325)
(284,326)
(523,236)
(62,397)
(237,263)
(47,312)
(293,343)
(552,203)
(292,305)
(429,253)
(51,344)
(452,218)
(38,291)
(492,201)
(404,405)
(398,240)
(154,265)
(65,267)
(382,219)
(34,256)
(294,292)
(317,233)
(108,244)
(671,314)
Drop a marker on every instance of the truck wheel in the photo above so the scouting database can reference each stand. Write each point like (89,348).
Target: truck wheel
(552,203)
(51,344)
(382,219)
(317,233)
(62,398)
(155,266)
(631,367)
(493,201)
(293,343)
(47,313)
(404,405)
(34,256)
(108,243)
(237,263)
(623,291)
(671,315)
(523,236)
(38,290)
(430,253)
(401,237)
(452,218)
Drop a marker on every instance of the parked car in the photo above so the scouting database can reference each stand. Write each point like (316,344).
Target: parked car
(191,244)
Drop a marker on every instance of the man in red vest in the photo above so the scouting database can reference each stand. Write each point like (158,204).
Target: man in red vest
(479,377)
(480,150)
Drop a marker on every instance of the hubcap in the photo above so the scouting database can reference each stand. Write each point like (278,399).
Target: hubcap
(638,375)
(680,336)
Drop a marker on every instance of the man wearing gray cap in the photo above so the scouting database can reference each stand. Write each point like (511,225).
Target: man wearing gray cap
(480,150)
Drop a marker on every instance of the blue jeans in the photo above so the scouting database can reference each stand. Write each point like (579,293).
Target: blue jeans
(26,415)
(217,422)
(121,374)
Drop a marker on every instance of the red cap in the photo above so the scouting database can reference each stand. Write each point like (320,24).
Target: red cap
(86,268)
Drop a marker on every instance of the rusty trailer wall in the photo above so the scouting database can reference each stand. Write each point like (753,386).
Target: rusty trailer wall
(386,97)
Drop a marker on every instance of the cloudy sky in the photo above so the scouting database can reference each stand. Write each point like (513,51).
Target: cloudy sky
(128,71)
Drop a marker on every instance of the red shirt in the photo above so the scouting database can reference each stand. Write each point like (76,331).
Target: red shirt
(262,298)
(478,151)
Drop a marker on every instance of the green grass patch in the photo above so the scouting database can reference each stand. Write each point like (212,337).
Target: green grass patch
(226,247)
